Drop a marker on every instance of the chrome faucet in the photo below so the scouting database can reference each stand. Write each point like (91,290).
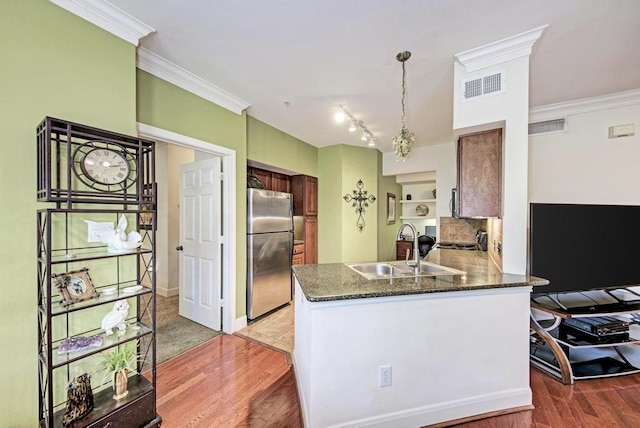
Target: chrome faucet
(415,264)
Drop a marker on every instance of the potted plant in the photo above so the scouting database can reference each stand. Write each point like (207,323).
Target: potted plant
(116,365)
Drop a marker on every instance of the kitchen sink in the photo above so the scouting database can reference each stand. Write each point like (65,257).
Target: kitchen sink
(376,270)
(399,269)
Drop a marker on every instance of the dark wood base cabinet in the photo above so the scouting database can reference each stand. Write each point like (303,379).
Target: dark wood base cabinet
(137,409)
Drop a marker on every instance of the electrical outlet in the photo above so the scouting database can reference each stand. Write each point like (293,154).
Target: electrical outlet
(385,376)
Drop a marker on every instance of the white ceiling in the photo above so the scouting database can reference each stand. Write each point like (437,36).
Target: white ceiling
(294,61)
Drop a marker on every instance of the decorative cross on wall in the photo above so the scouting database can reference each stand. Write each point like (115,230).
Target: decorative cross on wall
(360,200)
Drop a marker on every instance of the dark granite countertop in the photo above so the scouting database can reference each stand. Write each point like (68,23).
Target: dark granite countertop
(335,281)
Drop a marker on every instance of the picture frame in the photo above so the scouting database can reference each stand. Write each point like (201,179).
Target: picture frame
(74,286)
(391,208)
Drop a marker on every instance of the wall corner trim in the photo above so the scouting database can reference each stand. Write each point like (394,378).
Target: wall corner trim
(108,17)
(499,52)
(166,70)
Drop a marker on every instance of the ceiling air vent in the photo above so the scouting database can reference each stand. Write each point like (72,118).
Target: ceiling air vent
(481,87)
(547,126)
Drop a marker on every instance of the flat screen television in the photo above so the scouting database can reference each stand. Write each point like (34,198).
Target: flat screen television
(580,247)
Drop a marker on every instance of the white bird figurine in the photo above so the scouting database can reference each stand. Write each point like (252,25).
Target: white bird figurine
(116,239)
(116,317)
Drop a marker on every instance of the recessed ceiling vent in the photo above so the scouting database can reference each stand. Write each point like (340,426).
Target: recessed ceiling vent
(480,87)
(548,126)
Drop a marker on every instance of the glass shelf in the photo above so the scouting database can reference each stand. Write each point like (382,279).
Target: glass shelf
(102,299)
(90,253)
(133,331)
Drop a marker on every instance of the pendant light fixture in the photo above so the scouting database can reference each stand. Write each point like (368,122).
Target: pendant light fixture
(404,139)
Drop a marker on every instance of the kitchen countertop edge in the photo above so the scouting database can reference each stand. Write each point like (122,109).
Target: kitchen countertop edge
(335,281)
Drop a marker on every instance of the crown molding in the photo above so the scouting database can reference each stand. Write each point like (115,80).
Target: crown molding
(172,73)
(584,105)
(108,17)
(498,52)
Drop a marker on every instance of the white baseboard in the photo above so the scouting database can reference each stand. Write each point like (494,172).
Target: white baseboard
(446,411)
(167,292)
(239,324)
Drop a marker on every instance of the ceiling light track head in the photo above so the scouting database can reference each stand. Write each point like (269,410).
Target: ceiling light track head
(403,56)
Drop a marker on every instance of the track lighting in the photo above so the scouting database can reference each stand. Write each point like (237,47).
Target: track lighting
(354,124)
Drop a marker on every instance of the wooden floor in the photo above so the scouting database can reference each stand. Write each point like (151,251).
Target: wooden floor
(230,381)
(595,403)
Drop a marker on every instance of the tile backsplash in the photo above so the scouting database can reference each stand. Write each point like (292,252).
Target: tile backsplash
(460,229)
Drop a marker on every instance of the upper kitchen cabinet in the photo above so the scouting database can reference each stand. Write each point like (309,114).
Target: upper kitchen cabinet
(262,175)
(280,182)
(271,180)
(305,195)
(479,181)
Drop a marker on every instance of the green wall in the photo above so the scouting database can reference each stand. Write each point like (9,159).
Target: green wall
(271,146)
(53,64)
(330,204)
(339,169)
(387,233)
(166,106)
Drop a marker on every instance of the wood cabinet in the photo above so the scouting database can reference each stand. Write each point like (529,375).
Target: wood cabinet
(305,195)
(271,180)
(479,183)
(298,254)
(311,240)
(263,176)
(401,250)
(280,182)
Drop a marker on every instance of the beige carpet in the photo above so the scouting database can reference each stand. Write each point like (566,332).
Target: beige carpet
(176,334)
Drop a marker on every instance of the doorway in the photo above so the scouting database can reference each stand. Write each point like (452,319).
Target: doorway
(228,220)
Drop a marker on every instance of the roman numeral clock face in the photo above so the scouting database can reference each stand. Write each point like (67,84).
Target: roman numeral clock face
(104,166)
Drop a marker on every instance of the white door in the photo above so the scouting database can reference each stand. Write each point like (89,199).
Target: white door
(200,252)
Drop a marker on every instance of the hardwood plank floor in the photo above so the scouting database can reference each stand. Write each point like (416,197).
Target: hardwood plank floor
(230,381)
(595,403)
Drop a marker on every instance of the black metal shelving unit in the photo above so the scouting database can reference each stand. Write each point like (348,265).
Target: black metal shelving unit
(68,198)
(569,354)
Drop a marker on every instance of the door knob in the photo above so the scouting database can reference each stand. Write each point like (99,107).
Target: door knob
(179,248)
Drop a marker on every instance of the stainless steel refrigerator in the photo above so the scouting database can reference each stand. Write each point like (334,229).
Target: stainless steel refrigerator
(269,250)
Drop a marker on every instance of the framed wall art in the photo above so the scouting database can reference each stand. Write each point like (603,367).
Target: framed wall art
(391,208)
(75,286)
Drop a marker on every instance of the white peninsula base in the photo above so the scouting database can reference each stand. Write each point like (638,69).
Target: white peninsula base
(453,355)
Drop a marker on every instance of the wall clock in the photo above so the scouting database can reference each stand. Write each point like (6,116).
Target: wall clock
(104,166)
(82,164)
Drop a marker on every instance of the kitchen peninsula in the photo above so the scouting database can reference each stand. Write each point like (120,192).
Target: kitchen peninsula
(456,345)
